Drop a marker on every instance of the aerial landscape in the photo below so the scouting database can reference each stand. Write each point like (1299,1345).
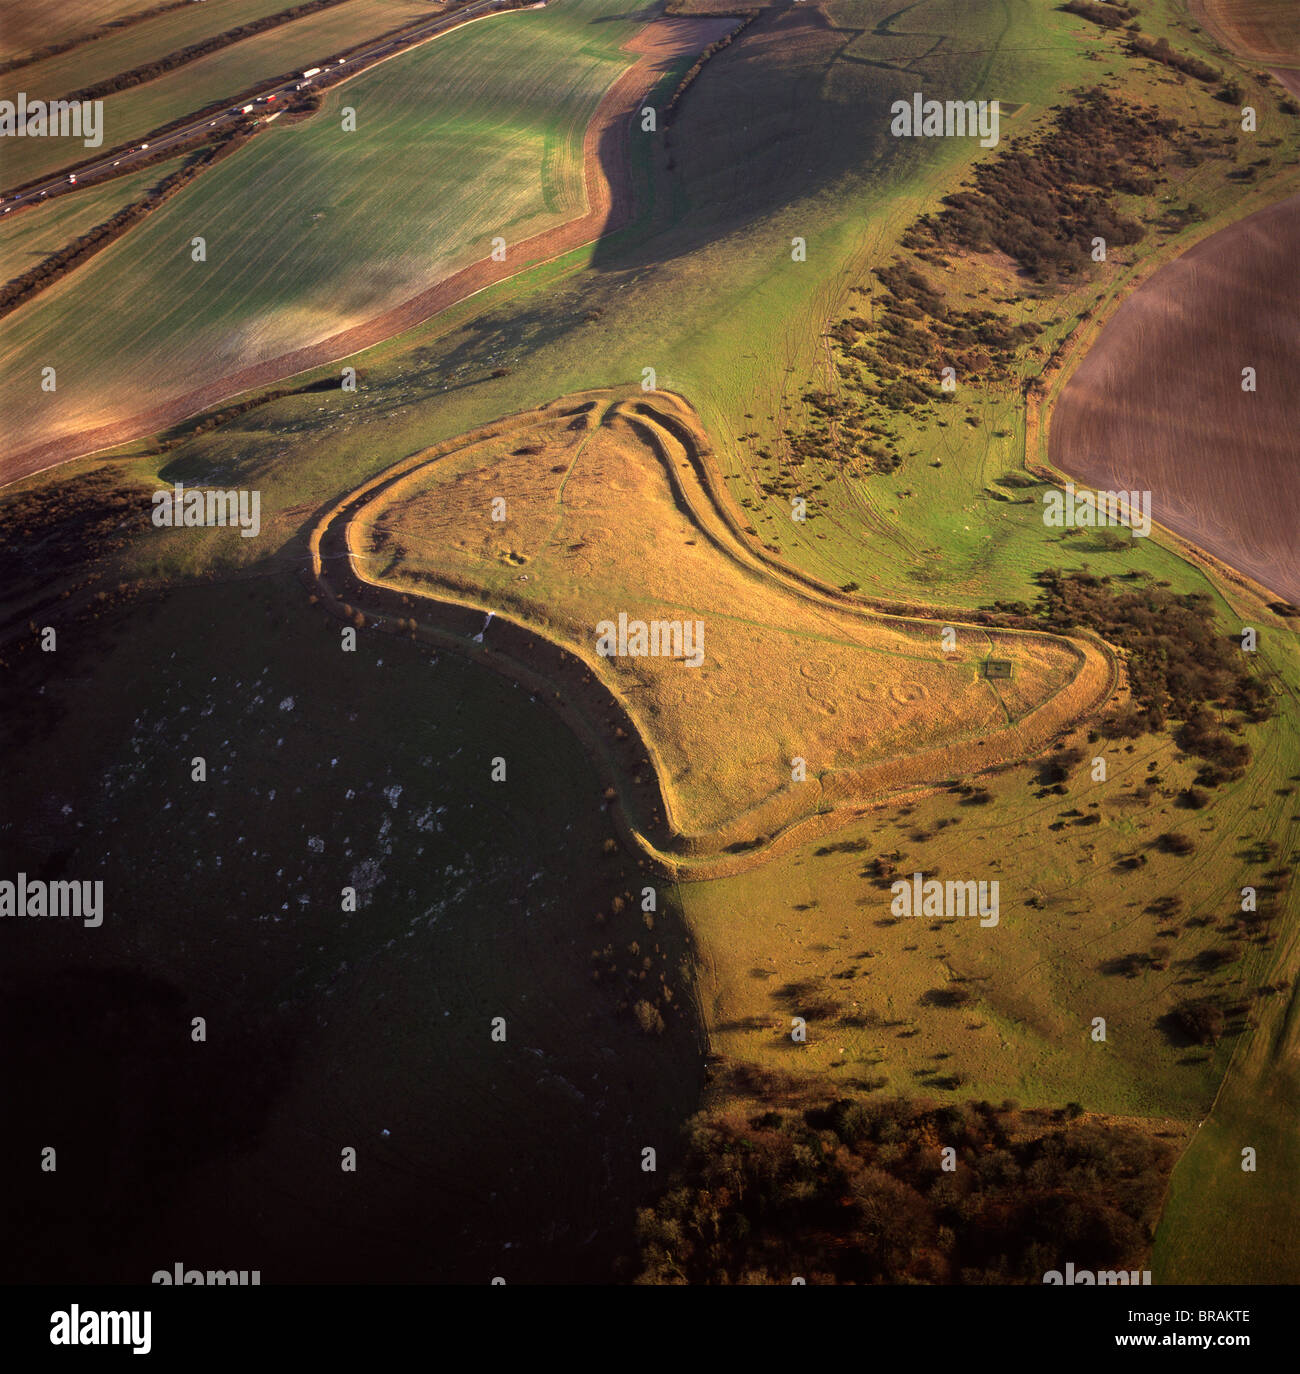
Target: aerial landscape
(650,646)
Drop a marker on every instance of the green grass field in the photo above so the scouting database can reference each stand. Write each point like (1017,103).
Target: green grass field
(132,114)
(1223,1224)
(305,234)
(28,238)
(813,927)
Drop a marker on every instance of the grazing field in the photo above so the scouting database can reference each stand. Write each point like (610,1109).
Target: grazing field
(1158,403)
(1082,905)
(609,513)
(1259,30)
(132,114)
(1222,1223)
(27,238)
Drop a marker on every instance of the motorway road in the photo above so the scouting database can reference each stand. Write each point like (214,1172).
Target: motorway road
(609,190)
(121,160)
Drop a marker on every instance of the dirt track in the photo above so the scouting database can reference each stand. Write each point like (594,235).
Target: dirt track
(609,207)
(1158,404)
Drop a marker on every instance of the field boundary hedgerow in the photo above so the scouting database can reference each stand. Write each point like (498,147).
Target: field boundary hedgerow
(608,186)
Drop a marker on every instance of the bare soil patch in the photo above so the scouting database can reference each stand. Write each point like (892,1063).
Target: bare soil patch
(1157,405)
(1258,30)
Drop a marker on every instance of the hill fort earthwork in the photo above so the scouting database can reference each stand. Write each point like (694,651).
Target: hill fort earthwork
(760,705)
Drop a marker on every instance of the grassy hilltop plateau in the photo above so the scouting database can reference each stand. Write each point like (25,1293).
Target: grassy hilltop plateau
(527,330)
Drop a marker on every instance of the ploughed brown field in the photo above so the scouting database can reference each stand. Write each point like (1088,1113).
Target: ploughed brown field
(1157,405)
(1261,30)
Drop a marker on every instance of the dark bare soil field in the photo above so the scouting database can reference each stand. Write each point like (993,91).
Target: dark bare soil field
(1159,405)
(1260,30)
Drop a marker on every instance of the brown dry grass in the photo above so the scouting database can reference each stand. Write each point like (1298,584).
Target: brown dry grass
(25,27)
(617,508)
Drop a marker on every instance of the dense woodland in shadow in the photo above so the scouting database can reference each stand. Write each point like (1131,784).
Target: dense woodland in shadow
(855,1192)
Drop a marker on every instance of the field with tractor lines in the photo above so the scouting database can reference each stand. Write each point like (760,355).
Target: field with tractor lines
(132,114)
(36,233)
(133,46)
(305,232)
(24,28)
